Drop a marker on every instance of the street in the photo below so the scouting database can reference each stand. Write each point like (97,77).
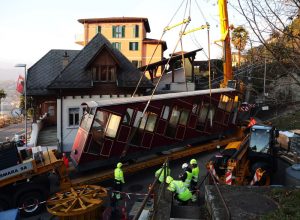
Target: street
(12,129)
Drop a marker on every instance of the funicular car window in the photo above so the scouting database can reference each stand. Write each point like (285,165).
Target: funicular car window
(113,124)
(165,112)
(184,117)
(151,122)
(128,116)
(99,125)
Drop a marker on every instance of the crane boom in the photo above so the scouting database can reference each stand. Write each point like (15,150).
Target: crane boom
(225,37)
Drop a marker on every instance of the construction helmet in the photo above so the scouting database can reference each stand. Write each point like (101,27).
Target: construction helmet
(185,165)
(193,161)
(119,165)
(169,179)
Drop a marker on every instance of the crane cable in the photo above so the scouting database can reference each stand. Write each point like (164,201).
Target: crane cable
(182,52)
(152,94)
(163,33)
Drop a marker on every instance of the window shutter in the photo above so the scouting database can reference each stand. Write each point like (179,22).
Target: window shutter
(114,31)
(98,29)
(136,46)
(123,31)
(136,31)
(130,46)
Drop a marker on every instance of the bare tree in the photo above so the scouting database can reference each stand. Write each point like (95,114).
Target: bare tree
(276,27)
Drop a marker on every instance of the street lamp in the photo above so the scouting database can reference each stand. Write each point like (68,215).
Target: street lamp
(25,98)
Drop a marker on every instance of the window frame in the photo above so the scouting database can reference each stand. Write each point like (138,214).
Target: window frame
(134,46)
(74,114)
(104,73)
(116,45)
(136,31)
(118,31)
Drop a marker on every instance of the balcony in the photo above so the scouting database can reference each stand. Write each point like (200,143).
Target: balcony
(79,39)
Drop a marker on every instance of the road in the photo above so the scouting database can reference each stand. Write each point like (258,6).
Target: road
(138,183)
(11,130)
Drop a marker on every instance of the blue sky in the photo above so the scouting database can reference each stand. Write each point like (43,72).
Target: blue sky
(30,28)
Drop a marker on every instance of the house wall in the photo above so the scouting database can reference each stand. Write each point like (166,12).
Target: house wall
(144,52)
(107,31)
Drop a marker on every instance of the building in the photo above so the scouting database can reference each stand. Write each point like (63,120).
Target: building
(127,34)
(64,79)
(235,59)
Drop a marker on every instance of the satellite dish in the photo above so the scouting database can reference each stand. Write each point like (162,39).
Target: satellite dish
(16,112)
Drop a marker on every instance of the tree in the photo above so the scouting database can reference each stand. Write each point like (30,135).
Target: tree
(2,95)
(275,25)
(239,40)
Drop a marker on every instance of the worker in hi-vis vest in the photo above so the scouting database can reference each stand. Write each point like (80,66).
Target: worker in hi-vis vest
(119,181)
(187,175)
(162,174)
(195,173)
(182,193)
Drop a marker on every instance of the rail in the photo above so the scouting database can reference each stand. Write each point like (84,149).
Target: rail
(165,165)
(220,194)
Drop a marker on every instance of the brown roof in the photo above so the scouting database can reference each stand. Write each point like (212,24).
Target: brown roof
(155,41)
(117,19)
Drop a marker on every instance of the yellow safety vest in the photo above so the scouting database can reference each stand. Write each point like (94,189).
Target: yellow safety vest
(119,175)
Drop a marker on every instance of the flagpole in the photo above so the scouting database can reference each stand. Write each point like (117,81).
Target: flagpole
(25,99)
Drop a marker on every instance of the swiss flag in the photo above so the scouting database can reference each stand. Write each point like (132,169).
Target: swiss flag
(20,84)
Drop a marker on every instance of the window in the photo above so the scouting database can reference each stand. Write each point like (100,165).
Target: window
(226,103)
(105,124)
(148,121)
(133,46)
(174,117)
(118,31)
(203,113)
(116,45)
(128,116)
(98,29)
(104,73)
(184,117)
(136,31)
(223,102)
(73,116)
(165,112)
(112,128)
(151,122)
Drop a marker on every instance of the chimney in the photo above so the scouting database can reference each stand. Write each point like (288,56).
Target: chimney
(65,59)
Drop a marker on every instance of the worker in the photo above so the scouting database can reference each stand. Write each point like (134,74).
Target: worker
(162,173)
(119,181)
(195,173)
(65,160)
(187,175)
(182,193)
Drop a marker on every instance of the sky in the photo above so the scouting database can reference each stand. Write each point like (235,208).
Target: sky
(30,28)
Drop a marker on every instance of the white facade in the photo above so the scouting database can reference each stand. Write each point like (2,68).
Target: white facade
(69,125)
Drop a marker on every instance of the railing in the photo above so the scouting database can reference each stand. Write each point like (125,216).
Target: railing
(165,165)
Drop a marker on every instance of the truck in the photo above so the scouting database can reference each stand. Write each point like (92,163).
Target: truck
(251,161)
(24,179)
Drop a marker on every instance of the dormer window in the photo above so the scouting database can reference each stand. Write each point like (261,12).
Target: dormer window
(104,73)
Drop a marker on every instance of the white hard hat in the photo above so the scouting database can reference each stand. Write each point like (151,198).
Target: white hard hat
(185,165)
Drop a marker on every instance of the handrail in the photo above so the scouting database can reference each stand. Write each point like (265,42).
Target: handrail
(136,217)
